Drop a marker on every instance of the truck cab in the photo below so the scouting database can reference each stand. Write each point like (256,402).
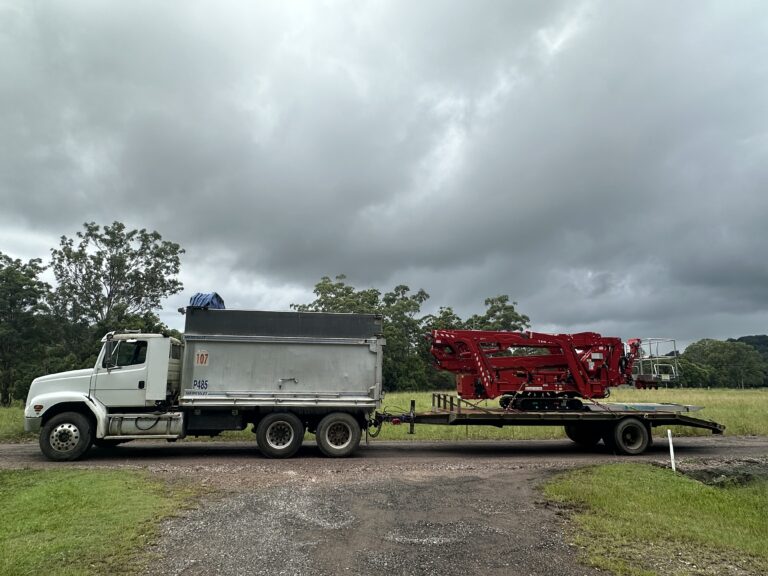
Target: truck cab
(134,371)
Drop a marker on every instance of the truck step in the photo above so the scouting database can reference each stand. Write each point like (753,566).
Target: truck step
(169,424)
(143,437)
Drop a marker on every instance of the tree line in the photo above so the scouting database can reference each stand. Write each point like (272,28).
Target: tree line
(109,278)
(106,278)
(734,363)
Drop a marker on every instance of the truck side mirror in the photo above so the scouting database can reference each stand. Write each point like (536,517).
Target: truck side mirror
(109,348)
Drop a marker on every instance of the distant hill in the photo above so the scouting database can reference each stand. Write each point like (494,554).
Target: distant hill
(759,343)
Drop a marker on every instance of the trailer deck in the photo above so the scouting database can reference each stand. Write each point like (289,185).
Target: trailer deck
(615,424)
(452,410)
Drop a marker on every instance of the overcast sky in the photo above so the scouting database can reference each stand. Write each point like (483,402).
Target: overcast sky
(603,163)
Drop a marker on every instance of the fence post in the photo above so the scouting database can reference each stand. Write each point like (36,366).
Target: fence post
(671,450)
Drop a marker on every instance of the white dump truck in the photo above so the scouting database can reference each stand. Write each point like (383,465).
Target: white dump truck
(283,372)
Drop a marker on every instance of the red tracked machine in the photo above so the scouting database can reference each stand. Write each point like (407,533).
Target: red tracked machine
(534,371)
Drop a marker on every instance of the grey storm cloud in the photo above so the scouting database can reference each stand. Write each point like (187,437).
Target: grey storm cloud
(603,163)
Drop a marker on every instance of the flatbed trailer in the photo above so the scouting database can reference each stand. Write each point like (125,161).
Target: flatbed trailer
(623,428)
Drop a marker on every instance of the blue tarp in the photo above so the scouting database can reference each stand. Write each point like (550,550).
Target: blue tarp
(207,300)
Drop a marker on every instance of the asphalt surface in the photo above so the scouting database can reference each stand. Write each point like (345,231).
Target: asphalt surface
(404,508)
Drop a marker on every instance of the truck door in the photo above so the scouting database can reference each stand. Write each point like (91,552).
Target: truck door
(121,376)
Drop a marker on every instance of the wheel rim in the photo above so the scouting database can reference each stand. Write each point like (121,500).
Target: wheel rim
(339,435)
(632,437)
(64,437)
(279,435)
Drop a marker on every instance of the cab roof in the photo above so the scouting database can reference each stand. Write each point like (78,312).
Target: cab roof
(117,335)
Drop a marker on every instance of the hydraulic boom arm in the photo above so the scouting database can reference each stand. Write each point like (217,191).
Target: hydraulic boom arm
(532,365)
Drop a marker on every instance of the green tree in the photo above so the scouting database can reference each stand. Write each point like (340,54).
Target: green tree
(407,362)
(402,369)
(106,276)
(500,314)
(338,296)
(731,364)
(694,375)
(445,319)
(403,329)
(22,297)
(759,343)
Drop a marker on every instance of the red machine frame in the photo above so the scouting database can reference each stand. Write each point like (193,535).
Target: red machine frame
(492,364)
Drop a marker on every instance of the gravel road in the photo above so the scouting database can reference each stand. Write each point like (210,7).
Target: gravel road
(403,508)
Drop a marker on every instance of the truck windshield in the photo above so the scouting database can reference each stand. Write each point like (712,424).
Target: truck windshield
(128,353)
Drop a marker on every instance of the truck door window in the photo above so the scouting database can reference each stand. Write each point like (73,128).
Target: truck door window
(129,353)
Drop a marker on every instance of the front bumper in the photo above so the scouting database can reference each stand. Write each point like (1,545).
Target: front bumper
(33,424)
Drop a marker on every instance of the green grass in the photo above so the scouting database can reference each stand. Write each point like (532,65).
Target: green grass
(636,519)
(62,522)
(744,412)
(12,424)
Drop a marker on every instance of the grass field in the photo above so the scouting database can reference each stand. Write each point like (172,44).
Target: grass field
(636,519)
(12,424)
(66,522)
(744,412)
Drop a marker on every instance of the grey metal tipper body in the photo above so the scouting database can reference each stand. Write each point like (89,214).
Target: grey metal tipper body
(256,358)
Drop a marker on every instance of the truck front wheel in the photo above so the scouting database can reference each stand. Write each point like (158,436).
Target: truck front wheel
(338,435)
(279,435)
(66,436)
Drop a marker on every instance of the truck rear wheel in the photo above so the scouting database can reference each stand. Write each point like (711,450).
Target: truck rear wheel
(338,435)
(66,436)
(630,436)
(587,436)
(279,435)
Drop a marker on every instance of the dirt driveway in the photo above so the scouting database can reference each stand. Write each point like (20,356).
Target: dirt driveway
(399,508)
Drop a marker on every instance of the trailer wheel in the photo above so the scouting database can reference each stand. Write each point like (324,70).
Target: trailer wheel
(338,435)
(587,436)
(630,436)
(279,435)
(66,436)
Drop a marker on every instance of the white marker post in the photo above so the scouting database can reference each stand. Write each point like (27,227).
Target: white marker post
(671,450)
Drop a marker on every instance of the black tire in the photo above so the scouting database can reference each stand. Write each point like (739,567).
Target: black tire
(338,435)
(587,436)
(630,436)
(66,437)
(279,435)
